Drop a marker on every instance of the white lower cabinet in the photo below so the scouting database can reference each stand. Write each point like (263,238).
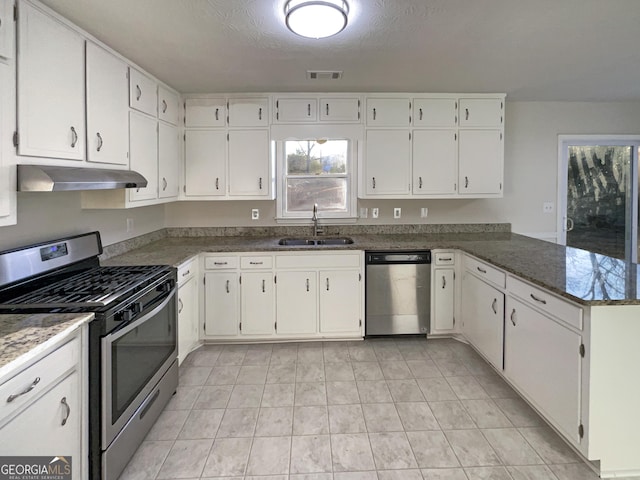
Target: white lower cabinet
(542,359)
(340,294)
(221,304)
(257,303)
(188,334)
(443,300)
(483,316)
(297,302)
(292,295)
(44,407)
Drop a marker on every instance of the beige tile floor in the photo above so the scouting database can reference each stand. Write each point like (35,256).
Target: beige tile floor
(378,409)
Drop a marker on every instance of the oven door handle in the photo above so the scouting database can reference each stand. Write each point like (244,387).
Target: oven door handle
(114,336)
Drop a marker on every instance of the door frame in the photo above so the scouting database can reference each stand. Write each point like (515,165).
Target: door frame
(595,140)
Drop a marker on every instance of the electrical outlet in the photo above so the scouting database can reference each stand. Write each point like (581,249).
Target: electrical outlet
(255,214)
(547,207)
(375,213)
(424,211)
(364,212)
(129,224)
(397,212)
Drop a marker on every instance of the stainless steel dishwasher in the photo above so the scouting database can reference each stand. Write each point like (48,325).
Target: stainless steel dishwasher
(398,292)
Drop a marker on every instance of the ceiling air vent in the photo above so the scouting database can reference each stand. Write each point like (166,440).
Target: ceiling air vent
(324,74)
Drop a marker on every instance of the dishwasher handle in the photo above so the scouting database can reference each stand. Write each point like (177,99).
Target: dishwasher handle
(395,258)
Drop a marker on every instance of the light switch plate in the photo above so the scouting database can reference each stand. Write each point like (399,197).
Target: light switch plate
(375,213)
(397,212)
(255,214)
(364,212)
(424,211)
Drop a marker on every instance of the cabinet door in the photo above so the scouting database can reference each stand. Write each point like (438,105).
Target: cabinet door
(221,304)
(168,160)
(51,426)
(483,314)
(248,112)
(387,162)
(143,93)
(297,302)
(296,110)
(107,107)
(205,163)
(435,155)
(187,318)
(443,299)
(481,112)
(249,163)
(7,124)
(340,301)
(435,112)
(257,303)
(168,105)
(51,89)
(480,162)
(388,112)
(339,109)
(542,359)
(143,144)
(205,112)
(6,29)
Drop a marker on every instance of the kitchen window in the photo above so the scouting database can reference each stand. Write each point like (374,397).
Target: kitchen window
(317,170)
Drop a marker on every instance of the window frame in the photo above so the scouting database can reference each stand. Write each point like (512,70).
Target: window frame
(352,134)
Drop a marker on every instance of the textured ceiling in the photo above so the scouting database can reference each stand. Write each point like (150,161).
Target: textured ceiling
(531,49)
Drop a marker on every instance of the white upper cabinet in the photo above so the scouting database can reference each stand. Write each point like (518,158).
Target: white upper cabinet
(168,106)
(248,112)
(143,93)
(168,161)
(480,162)
(388,112)
(205,163)
(144,155)
(296,110)
(435,112)
(340,109)
(435,162)
(51,105)
(249,166)
(205,112)
(6,29)
(107,107)
(387,162)
(481,112)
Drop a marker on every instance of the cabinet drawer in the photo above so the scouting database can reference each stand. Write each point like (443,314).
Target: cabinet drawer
(247,263)
(546,301)
(318,261)
(186,271)
(485,271)
(143,93)
(220,263)
(444,258)
(30,383)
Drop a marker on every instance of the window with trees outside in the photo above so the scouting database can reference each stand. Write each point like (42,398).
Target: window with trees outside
(316,172)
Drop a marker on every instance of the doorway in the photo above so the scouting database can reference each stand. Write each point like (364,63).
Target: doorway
(598,194)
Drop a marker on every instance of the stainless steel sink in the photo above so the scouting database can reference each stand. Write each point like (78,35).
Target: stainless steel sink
(335,241)
(315,242)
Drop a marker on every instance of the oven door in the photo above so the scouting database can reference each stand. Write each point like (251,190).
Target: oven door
(134,359)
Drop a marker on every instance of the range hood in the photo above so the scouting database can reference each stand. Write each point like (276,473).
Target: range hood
(49,178)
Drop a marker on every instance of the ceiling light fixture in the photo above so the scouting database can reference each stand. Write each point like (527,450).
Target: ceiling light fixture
(316,18)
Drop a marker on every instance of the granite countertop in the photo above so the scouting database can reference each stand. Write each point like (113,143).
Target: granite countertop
(24,336)
(584,277)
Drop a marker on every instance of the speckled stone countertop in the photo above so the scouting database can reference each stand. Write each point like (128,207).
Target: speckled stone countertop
(581,276)
(23,337)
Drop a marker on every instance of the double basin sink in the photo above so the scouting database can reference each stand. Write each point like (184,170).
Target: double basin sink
(291,242)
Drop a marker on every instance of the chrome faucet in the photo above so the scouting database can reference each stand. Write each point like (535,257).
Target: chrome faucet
(316,230)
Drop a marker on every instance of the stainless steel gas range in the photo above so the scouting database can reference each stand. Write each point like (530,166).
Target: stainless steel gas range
(133,370)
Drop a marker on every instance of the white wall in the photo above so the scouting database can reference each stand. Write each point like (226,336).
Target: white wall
(532,130)
(45,216)
(531,147)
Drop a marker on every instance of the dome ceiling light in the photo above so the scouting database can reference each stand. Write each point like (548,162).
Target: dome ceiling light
(316,18)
